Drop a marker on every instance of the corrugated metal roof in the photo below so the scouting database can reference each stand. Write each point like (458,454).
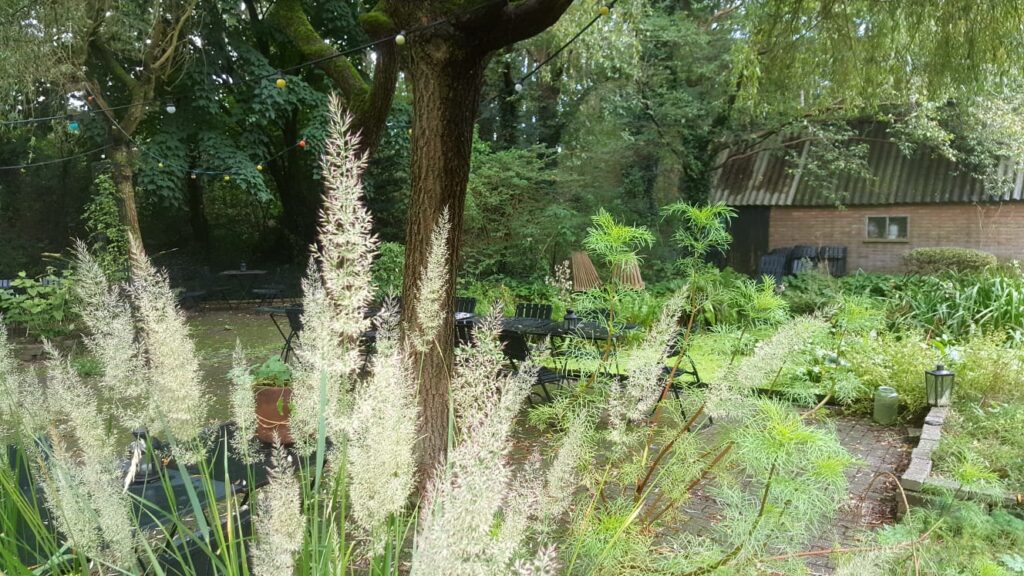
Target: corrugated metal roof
(772,177)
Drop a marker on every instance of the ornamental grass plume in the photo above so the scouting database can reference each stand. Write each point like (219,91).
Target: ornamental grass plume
(479,514)
(243,406)
(279,522)
(433,286)
(110,337)
(382,433)
(14,386)
(323,364)
(727,395)
(84,491)
(177,399)
(633,400)
(347,244)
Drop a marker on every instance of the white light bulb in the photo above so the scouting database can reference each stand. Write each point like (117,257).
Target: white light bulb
(171,108)
(519,87)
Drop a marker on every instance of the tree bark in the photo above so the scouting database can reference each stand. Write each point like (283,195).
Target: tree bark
(446,83)
(124,176)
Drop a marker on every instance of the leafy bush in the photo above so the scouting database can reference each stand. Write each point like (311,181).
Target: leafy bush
(108,237)
(939,260)
(273,373)
(39,305)
(963,539)
(892,359)
(388,269)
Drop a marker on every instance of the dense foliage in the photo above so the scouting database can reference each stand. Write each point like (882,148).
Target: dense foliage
(939,260)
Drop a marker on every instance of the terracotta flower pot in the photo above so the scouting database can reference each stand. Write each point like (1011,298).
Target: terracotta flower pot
(272,414)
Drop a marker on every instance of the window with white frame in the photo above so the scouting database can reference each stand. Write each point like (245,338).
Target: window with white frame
(888,227)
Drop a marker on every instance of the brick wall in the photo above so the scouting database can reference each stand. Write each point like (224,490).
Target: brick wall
(995,228)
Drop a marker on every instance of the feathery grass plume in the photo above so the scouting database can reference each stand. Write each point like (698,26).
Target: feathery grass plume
(347,244)
(563,472)
(322,358)
(243,405)
(459,532)
(544,563)
(472,388)
(14,384)
(280,525)
(111,338)
(633,400)
(177,400)
(382,433)
(95,471)
(725,396)
(433,286)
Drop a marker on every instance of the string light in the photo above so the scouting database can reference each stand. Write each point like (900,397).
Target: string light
(171,108)
(604,10)
(302,143)
(280,82)
(400,38)
(73,126)
(519,86)
(259,167)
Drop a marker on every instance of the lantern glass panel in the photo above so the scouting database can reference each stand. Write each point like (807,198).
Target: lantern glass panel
(939,386)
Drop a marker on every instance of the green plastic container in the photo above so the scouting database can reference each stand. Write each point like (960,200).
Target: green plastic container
(887,405)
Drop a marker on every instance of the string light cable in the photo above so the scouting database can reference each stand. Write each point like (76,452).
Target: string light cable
(399,38)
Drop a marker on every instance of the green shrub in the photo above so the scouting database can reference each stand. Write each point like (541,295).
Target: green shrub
(273,373)
(41,306)
(892,359)
(939,260)
(964,304)
(388,269)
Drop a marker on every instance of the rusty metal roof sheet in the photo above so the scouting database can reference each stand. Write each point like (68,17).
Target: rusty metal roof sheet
(773,178)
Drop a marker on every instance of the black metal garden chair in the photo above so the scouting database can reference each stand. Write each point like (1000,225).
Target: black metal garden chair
(463,333)
(465,304)
(533,310)
(516,350)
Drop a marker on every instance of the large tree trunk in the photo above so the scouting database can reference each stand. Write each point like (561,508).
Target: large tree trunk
(446,84)
(124,180)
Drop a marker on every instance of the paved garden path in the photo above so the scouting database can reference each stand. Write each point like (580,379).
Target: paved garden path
(879,449)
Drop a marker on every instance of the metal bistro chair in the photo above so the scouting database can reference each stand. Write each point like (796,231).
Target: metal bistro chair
(516,350)
(463,333)
(533,310)
(294,316)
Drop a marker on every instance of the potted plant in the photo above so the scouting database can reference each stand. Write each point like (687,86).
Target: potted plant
(272,386)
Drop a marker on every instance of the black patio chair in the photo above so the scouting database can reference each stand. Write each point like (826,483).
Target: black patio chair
(516,351)
(294,314)
(463,333)
(533,310)
(465,304)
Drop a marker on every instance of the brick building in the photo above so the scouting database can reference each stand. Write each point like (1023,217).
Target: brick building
(910,201)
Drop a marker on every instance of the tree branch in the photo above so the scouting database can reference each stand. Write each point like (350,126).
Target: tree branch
(515,22)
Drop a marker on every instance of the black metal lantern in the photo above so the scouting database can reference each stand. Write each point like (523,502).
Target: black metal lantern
(938,384)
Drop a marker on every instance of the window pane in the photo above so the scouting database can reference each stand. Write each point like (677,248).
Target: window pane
(897,228)
(876,227)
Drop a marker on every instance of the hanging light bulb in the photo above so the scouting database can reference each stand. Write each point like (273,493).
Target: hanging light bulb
(160,165)
(280,82)
(604,10)
(259,167)
(171,108)
(194,176)
(302,143)
(227,178)
(400,38)
(519,86)
(73,126)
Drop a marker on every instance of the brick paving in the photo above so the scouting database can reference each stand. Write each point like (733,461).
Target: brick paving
(879,449)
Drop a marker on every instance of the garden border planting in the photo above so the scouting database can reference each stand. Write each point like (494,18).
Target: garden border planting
(918,483)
